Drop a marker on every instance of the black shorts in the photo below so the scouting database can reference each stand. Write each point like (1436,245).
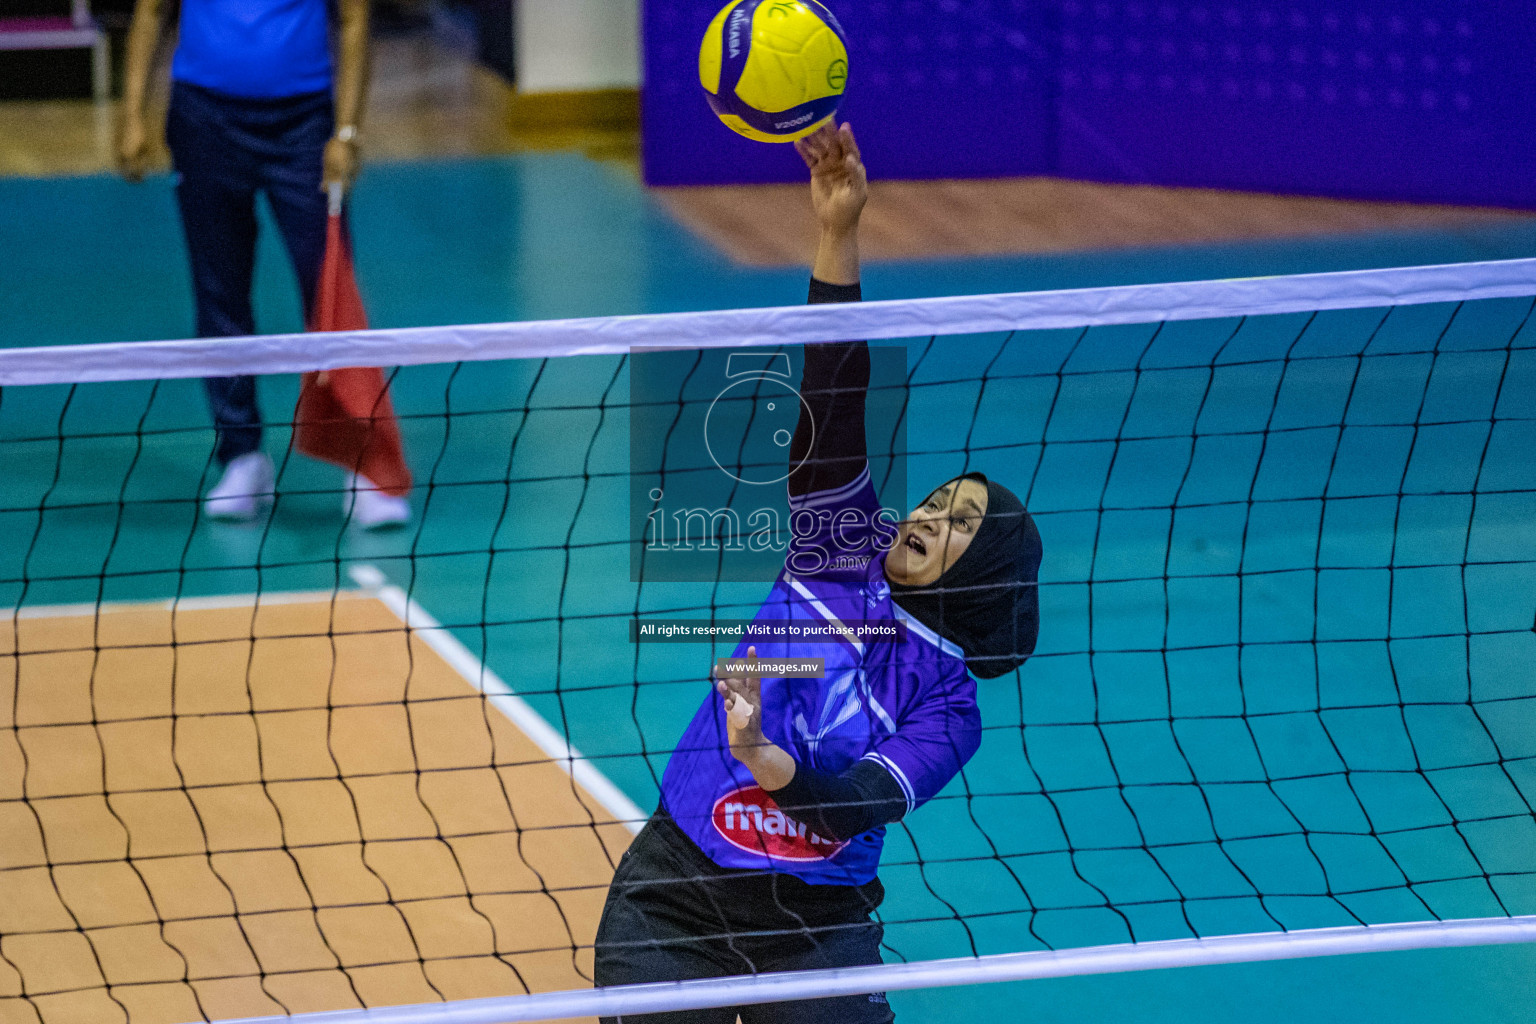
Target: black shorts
(673,915)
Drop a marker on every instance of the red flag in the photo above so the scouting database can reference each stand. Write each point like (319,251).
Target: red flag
(345,416)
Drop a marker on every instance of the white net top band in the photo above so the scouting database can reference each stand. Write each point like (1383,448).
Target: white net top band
(784,325)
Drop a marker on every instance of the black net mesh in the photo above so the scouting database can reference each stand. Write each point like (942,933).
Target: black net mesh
(1283,678)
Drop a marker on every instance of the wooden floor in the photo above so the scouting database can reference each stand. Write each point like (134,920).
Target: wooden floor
(298,809)
(430,100)
(772,225)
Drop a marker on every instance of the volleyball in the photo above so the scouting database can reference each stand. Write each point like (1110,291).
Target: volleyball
(774,70)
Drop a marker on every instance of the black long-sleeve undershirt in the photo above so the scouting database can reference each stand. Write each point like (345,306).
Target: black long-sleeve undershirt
(839,807)
(828,448)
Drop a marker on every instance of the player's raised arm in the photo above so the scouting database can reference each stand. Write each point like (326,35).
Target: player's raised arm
(828,447)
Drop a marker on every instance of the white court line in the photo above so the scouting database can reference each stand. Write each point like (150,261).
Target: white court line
(208,603)
(1046,963)
(500,696)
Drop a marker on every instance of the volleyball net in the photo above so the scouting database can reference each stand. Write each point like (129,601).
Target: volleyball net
(1281,703)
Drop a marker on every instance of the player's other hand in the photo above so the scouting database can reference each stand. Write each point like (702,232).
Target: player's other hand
(743,701)
(132,147)
(839,185)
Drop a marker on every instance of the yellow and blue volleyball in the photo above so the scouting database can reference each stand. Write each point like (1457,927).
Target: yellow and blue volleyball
(774,70)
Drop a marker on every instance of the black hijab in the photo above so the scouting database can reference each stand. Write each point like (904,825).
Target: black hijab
(987,602)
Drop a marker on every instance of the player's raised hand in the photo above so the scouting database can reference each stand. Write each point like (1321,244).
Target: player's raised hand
(743,700)
(839,184)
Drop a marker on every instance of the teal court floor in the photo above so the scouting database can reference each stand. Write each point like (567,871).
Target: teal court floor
(522,507)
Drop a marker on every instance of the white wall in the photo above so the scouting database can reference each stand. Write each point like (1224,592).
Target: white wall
(576,45)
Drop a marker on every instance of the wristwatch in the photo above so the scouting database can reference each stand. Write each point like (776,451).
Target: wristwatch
(347,133)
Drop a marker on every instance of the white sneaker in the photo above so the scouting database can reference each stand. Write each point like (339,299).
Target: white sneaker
(370,508)
(243,491)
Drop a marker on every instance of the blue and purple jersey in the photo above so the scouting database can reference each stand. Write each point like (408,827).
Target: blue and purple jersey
(909,706)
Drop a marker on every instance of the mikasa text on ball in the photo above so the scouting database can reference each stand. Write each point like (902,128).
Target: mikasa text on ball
(774,70)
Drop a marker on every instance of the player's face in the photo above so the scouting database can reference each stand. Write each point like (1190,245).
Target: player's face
(937,533)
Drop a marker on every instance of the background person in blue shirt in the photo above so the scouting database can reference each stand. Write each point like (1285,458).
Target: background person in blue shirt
(257,105)
(763,855)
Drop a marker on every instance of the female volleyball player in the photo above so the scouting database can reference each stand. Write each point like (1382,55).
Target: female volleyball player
(764,852)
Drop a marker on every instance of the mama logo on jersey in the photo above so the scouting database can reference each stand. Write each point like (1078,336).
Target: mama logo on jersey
(749,820)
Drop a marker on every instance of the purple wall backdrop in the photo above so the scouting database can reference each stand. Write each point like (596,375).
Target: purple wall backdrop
(1426,100)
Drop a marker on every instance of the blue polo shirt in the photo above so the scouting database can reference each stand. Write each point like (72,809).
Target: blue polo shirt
(256,49)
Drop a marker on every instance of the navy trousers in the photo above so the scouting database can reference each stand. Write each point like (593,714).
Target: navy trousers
(225,150)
